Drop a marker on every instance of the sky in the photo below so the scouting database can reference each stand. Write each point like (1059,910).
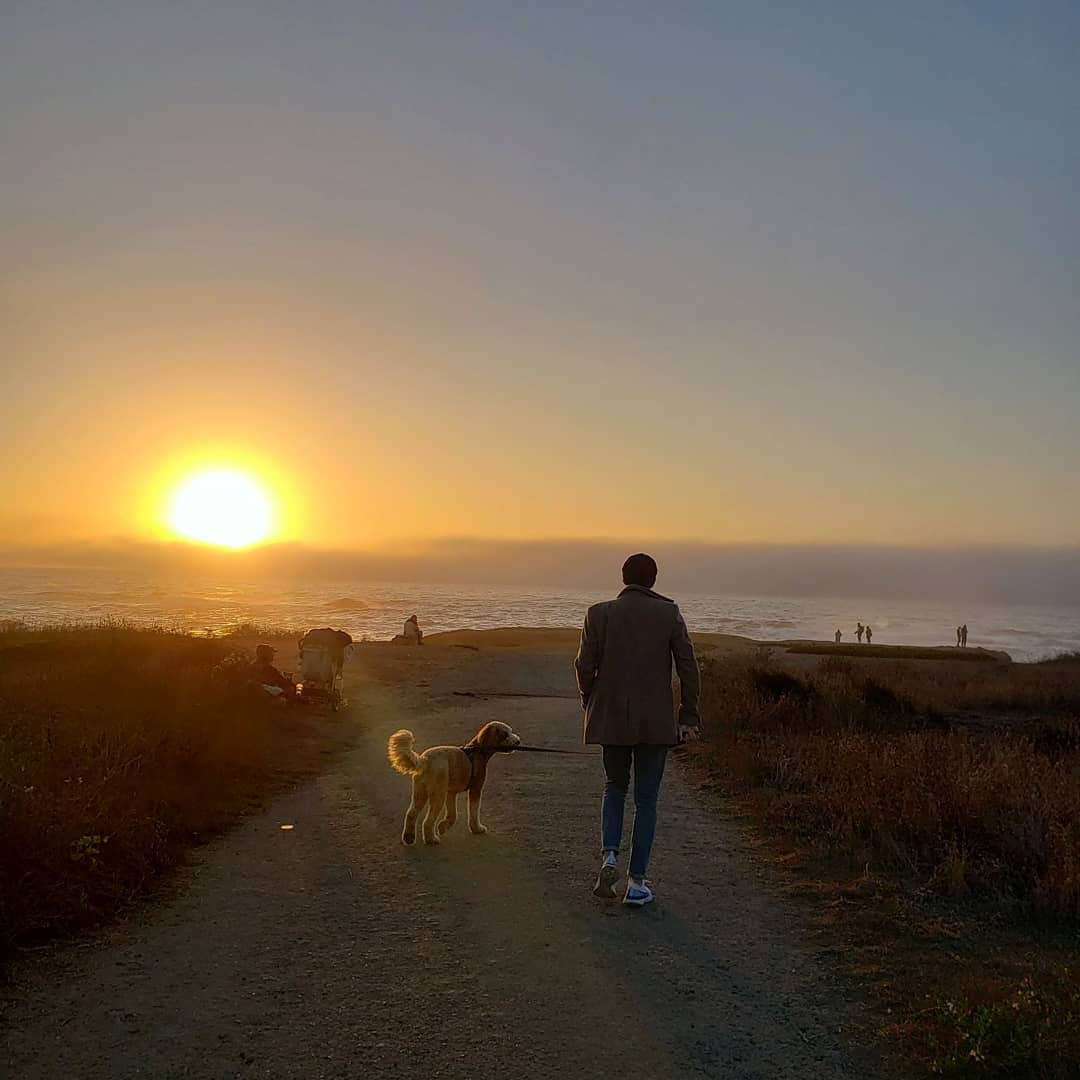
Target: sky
(720,273)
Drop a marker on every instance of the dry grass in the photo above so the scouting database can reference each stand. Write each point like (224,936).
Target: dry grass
(1047,690)
(120,748)
(886,775)
(894,652)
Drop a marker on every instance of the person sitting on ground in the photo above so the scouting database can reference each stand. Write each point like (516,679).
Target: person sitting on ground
(267,676)
(412,633)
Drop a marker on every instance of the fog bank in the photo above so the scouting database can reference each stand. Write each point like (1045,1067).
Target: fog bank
(990,574)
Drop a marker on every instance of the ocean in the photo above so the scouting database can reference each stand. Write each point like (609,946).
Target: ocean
(376,610)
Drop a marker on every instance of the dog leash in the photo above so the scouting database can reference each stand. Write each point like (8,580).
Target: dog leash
(470,751)
(550,750)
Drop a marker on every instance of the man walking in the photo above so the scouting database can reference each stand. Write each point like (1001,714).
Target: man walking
(623,671)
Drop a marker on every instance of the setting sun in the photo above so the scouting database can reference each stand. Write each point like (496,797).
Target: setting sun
(223,507)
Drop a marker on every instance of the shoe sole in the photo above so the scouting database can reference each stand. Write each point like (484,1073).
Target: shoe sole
(605,883)
(627,902)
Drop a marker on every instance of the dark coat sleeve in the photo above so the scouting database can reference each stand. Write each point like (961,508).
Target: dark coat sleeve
(587,660)
(682,650)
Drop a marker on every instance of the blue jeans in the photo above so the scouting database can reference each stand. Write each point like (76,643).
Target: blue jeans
(648,764)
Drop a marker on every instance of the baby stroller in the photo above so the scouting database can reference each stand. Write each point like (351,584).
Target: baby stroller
(322,657)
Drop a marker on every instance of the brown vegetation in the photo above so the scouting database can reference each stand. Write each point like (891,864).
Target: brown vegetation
(896,652)
(120,748)
(955,791)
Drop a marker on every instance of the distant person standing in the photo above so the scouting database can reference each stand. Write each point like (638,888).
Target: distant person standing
(623,669)
(963,636)
(859,631)
(959,635)
(838,636)
(869,635)
(412,633)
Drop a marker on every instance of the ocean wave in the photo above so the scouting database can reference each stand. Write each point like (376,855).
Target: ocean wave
(348,603)
(79,596)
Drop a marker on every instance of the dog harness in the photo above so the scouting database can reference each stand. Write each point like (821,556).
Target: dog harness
(471,751)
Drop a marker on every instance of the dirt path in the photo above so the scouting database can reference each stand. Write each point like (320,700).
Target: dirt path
(330,950)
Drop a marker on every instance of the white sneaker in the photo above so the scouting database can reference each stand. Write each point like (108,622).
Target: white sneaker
(638,893)
(609,874)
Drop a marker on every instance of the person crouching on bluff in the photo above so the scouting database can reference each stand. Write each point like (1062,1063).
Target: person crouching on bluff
(267,676)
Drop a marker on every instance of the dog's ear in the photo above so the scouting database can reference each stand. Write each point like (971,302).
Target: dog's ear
(489,736)
(496,735)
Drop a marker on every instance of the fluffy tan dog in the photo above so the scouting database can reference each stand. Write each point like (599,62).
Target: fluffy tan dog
(441,773)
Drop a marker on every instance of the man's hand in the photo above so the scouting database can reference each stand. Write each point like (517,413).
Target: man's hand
(688,734)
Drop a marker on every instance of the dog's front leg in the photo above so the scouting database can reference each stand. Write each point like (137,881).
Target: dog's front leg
(474,813)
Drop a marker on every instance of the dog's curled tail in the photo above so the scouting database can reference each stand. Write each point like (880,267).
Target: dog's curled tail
(403,758)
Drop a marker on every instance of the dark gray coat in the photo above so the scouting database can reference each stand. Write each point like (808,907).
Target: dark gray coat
(623,670)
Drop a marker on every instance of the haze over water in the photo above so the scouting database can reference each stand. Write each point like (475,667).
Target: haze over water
(376,610)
